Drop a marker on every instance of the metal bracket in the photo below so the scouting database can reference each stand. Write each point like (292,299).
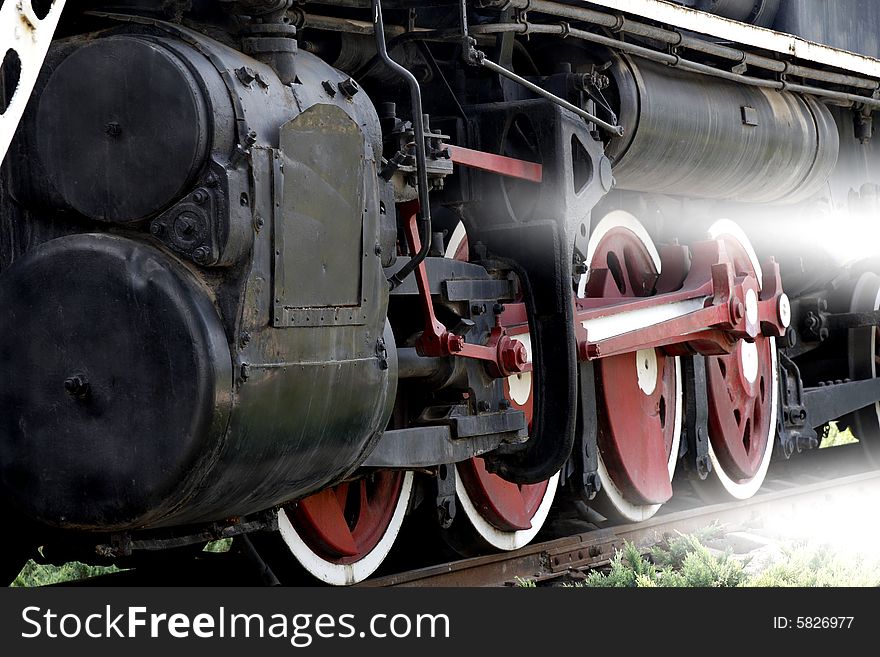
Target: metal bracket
(794,424)
(445,502)
(696,417)
(501,354)
(583,476)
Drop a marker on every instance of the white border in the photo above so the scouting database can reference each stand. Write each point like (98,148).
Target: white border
(638,512)
(497,538)
(742,490)
(745,489)
(345,574)
(30,37)
(750,35)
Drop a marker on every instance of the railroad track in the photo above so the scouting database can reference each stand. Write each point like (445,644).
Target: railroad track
(822,479)
(792,489)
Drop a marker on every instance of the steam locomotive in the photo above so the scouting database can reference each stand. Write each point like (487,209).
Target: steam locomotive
(300,272)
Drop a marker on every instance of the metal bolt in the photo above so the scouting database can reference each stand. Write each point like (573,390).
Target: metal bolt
(200,196)
(157,229)
(245,339)
(258,223)
(498,308)
(328,87)
(348,87)
(245,371)
(456,343)
(246,75)
(513,356)
(201,255)
(592,484)
(704,467)
(77,386)
(504,404)
(377,249)
(738,310)
(478,309)
(483,406)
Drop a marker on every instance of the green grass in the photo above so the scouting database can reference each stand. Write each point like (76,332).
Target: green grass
(222,545)
(34,574)
(685,562)
(818,566)
(834,436)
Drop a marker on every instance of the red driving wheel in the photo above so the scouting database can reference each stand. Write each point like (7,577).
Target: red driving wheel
(741,391)
(503,514)
(342,534)
(639,393)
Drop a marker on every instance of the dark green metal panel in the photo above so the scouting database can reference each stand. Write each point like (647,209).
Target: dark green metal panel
(319,233)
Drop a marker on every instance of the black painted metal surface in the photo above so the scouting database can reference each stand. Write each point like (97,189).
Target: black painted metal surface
(846,24)
(156,391)
(692,136)
(123,384)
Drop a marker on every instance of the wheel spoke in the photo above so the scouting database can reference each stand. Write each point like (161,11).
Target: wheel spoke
(503,514)
(741,391)
(637,447)
(323,513)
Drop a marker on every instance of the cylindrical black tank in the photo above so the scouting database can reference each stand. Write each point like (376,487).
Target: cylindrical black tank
(691,135)
(141,389)
(125,125)
(123,384)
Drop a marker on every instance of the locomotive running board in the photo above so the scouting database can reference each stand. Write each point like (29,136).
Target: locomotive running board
(26,37)
(731,30)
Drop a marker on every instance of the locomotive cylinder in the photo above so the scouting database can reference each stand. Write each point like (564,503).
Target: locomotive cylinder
(155,387)
(693,136)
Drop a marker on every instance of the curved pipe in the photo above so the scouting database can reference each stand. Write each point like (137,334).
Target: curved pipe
(415,94)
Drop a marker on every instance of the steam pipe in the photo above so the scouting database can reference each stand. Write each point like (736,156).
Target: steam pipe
(415,93)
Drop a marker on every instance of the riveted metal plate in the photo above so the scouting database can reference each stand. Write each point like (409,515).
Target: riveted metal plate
(320,207)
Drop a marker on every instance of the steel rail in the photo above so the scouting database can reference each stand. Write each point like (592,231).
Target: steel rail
(557,558)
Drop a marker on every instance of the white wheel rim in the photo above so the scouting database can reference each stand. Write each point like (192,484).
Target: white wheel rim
(744,489)
(498,538)
(520,386)
(647,382)
(612,220)
(638,512)
(346,574)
